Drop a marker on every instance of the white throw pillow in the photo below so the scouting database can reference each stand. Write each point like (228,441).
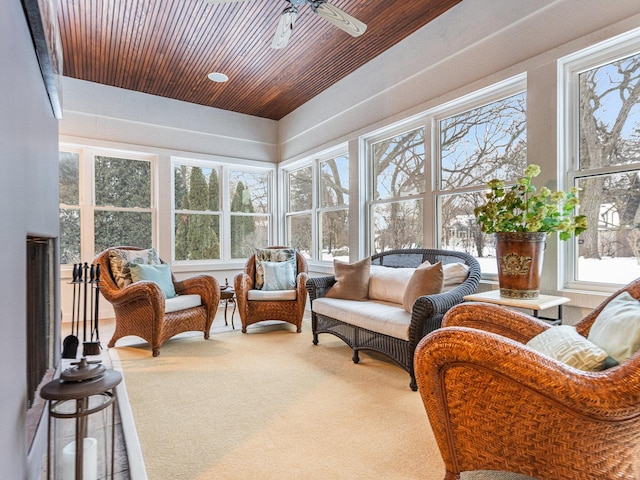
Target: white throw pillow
(566,345)
(455,273)
(388,284)
(617,327)
(279,275)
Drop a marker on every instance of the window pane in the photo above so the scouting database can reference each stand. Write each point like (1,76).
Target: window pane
(122,183)
(196,188)
(68,178)
(299,233)
(300,190)
(460,230)
(609,250)
(69,235)
(249,192)
(484,143)
(248,232)
(610,114)
(197,237)
(113,228)
(398,165)
(334,235)
(397,225)
(334,182)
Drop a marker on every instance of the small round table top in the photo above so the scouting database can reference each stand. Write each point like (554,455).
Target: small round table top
(227,293)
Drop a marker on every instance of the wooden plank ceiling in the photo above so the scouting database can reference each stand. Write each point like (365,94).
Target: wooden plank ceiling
(167,47)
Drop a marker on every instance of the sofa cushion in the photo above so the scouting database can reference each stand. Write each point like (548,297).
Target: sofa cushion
(455,273)
(382,317)
(158,274)
(389,284)
(272,255)
(565,344)
(119,258)
(352,280)
(267,295)
(426,280)
(617,327)
(181,302)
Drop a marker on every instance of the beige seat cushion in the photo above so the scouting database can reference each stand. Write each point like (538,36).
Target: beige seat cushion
(271,295)
(382,317)
(181,302)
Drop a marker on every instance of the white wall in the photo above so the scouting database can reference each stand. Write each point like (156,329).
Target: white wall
(29,196)
(96,111)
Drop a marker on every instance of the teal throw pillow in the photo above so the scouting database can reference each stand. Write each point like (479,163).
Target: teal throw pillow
(279,276)
(617,327)
(160,274)
(272,255)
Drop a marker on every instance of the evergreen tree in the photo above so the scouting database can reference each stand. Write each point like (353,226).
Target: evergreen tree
(242,227)
(202,239)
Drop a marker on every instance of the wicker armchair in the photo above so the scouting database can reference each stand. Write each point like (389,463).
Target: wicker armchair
(254,311)
(140,306)
(495,404)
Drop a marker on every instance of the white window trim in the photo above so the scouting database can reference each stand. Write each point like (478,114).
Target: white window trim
(569,67)
(314,162)
(225,204)
(86,191)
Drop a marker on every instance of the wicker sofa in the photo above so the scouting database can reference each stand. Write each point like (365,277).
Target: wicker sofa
(426,316)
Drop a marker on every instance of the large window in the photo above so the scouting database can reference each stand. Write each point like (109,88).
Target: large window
(466,143)
(603,118)
(475,146)
(250,212)
(398,185)
(105,200)
(197,212)
(217,206)
(317,208)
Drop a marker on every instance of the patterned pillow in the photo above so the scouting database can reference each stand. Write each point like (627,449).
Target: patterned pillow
(118,260)
(279,275)
(566,345)
(272,255)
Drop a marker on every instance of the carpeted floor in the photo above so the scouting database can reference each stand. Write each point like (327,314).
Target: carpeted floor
(270,405)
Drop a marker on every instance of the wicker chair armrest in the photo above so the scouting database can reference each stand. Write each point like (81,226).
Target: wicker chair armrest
(204,285)
(142,290)
(301,284)
(443,355)
(319,286)
(495,319)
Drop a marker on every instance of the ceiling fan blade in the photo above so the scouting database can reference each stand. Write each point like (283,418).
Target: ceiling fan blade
(340,19)
(285,26)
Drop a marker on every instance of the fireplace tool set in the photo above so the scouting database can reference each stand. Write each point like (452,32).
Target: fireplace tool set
(86,293)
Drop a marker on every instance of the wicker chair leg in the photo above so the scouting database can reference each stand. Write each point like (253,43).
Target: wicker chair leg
(156,351)
(206,335)
(451,476)
(413,385)
(315,338)
(356,356)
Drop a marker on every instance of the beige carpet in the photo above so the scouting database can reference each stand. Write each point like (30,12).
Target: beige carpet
(271,405)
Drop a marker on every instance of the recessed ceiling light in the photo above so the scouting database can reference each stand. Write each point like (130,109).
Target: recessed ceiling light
(217,77)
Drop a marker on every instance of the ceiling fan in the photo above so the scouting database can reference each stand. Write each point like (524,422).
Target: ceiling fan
(331,13)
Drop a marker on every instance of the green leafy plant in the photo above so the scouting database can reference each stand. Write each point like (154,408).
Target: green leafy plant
(522,208)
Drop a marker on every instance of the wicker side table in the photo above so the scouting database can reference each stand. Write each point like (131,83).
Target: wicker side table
(535,304)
